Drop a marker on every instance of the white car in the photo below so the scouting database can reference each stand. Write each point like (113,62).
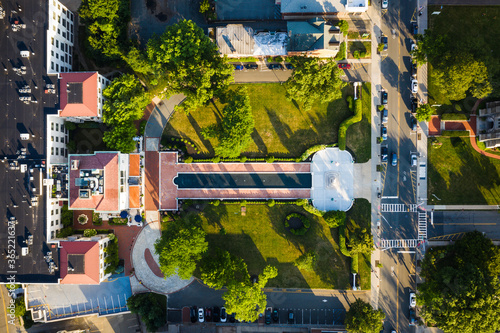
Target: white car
(385,4)
(223,315)
(201,315)
(413,163)
(413,300)
(413,46)
(414,86)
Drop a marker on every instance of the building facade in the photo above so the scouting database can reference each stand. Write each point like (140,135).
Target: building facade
(60,38)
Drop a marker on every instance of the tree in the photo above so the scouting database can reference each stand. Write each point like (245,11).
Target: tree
(362,318)
(334,218)
(112,260)
(138,61)
(125,100)
(223,269)
(181,246)
(461,292)
(248,300)
(204,6)
(234,132)
(306,261)
(120,137)
(19,306)
(190,63)
(424,112)
(314,81)
(89,232)
(149,307)
(361,241)
(343,26)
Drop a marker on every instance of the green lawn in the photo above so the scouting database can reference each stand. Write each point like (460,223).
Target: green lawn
(457,174)
(282,128)
(361,47)
(360,215)
(358,134)
(260,238)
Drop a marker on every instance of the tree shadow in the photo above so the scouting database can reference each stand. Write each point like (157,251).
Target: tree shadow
(198,129)
(282,130)
(214,214)
(257,139)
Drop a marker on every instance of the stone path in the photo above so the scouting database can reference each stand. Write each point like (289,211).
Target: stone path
(144,274)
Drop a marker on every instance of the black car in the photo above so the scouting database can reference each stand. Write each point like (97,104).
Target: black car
(208,314)
(193,313)
(384,40)
(384,97)
(268,316)
(274,66)
(231,318)
(291,318)
(251,66)
(413,124)
(414,105)
(414,69)
(384,154)
(289,66)
(216,314)
(276,315)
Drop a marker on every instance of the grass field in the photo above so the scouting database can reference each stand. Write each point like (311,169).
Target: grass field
(365,47)
(457,174)
(282,128)
(358,134)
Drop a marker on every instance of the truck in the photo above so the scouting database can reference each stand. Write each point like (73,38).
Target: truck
(422,171)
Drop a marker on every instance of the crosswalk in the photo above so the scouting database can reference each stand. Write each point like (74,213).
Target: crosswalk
(398,243)
(422,226)
(398,208)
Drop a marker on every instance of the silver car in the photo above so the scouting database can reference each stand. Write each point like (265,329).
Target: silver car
(385,4)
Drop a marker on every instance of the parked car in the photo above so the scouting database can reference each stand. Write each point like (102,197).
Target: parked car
(414,104)
(193,313)
(251,66)
(289,66)
(414,70)
(414,28)
(384,97)
(208,314)
(216,314)
(385,40)
(291,318)
(231,318)
(201,315)
(413,46)
(414,125)
(385,4)
(385,116)
(384,154)
(414,86)
(413,163)
(223,315)
(274,66)
(276,315)
(384,133)
(413,317)
(268,316)
(413,296)
(394,159)
(344,66)
(238,67)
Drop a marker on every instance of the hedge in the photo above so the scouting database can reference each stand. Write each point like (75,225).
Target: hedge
(306,224)
(454,116)
(312,150)
(243,59)
(358,115)
(354,263)
(455,133)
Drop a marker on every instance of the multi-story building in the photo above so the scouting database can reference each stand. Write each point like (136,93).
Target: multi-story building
(60,38)
(81,96)
(326,9)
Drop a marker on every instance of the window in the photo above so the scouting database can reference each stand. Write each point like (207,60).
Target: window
(58,31)
(52,138)
(51,150)
(52,65)
(64,22)
(54,15)
(54,27)
(57,43)
(52,234)
(57,67)
(62,128)
(57,139)
(51,223)
(52,212)
(64,34)
(58,6)
(57,211)
(57,151)
(51,52)
(57,55)
(52,40)
(52,126)
(57,222)
(57,127)
(58,19)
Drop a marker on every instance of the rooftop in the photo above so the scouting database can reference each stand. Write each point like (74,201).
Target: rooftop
(313,6)
(314,34)
(235,39)
(93,181)
(78,94)
(79,261)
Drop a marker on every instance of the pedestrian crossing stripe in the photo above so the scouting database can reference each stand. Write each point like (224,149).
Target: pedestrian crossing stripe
(398,208)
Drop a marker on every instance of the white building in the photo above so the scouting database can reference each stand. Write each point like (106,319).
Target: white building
(60,38)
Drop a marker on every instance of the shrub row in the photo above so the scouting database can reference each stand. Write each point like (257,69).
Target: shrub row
(358,115)
(454,116)
(243,59)
(455,133)
(270,202)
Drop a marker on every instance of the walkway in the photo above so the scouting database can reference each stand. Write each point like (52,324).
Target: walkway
(146,273)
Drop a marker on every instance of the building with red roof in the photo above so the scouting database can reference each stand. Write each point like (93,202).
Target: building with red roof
(81,96)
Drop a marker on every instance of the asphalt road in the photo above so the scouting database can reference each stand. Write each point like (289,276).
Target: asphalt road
(452,224)
(397,274)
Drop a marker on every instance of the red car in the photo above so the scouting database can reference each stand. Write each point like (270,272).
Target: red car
(344,66)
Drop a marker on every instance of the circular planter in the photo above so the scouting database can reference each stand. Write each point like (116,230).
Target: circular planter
(83,219)
(297,224)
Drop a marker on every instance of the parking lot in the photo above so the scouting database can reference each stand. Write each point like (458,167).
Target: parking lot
(318,317)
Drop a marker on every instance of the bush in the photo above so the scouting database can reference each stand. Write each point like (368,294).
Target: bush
(270,159)
(188,159)
(96,219)
(311,151)
(65,232)
(301,202)
(243,203)
(70,126)
(271,203)
(112,258)
(343,26)
(306,262)
(118,221)
(215,202)
(244,59)
(380,47)
(356,55)
(313,210)
(243,159)
(354,263)
(334,218)
(89,232)
(216,159)
(142,126)
(66,216)
(305,224)
(341,54)
(342,245)
(481,145)
(358,115)
(455,134)
(454,116)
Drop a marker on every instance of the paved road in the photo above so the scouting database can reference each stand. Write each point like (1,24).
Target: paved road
(449,224)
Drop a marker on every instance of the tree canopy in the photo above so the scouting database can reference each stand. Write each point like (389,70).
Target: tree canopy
(461,292)
(314,81)
(223,269)
(150,309)
(190,63)
(248,300)
(234,132)
(362,318)
(334,218)
(120,137)
(361,241)
(424,112)
(181,246)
